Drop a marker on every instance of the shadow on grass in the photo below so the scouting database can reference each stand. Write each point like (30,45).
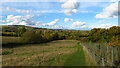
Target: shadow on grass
(13,45)
(77,58)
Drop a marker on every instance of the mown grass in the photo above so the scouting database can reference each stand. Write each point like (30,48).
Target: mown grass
(77,58)
(49,54)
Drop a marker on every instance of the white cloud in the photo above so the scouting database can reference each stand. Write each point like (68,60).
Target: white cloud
(24,11)
(70,4)
(85,11)
(67,19)
(84,26)
(70,7)
(110,11)
(19,20)
(38,23)
(16,10)
(23,23)
(70,11)
(114,0)
(94,26)
(8,8)
(1,21)
(54,0)
(17,23)
(30,11)
(80,27)
(102,21)
(102,26)
(78,23)
(55,27)
(1,16)
(26,20)
(51,23)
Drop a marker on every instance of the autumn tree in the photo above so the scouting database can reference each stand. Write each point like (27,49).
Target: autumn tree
(31,37)
(21,30)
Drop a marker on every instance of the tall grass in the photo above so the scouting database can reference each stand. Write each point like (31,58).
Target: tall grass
(8,39)
(48,54)
(102,53)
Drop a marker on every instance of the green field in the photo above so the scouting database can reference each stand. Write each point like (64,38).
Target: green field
(55,53)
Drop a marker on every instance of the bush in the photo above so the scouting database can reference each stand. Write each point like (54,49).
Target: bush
(21,31)
(61,35)
(31,37)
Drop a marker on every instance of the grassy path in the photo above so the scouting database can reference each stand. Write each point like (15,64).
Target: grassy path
(77,58)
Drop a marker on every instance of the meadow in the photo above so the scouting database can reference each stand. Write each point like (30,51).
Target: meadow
(55,53)
(30,46)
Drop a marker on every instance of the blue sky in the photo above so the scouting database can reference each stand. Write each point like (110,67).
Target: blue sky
(60,15)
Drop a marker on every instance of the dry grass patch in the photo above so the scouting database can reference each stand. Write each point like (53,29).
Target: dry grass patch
(48,54)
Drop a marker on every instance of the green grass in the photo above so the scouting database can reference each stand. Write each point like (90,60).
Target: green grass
(77,58)
(6,52)
(55,53)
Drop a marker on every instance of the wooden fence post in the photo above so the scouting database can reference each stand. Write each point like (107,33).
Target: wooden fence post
(118,49)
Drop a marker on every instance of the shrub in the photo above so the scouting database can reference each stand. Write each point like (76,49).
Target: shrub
(61,35)
(21,31)
(31,37)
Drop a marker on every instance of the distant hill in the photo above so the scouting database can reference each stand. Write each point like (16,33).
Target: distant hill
(13,28)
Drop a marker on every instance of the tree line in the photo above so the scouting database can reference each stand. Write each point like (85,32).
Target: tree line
(94,35)
(106,39)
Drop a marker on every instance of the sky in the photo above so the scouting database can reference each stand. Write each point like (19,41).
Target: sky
(64,14)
